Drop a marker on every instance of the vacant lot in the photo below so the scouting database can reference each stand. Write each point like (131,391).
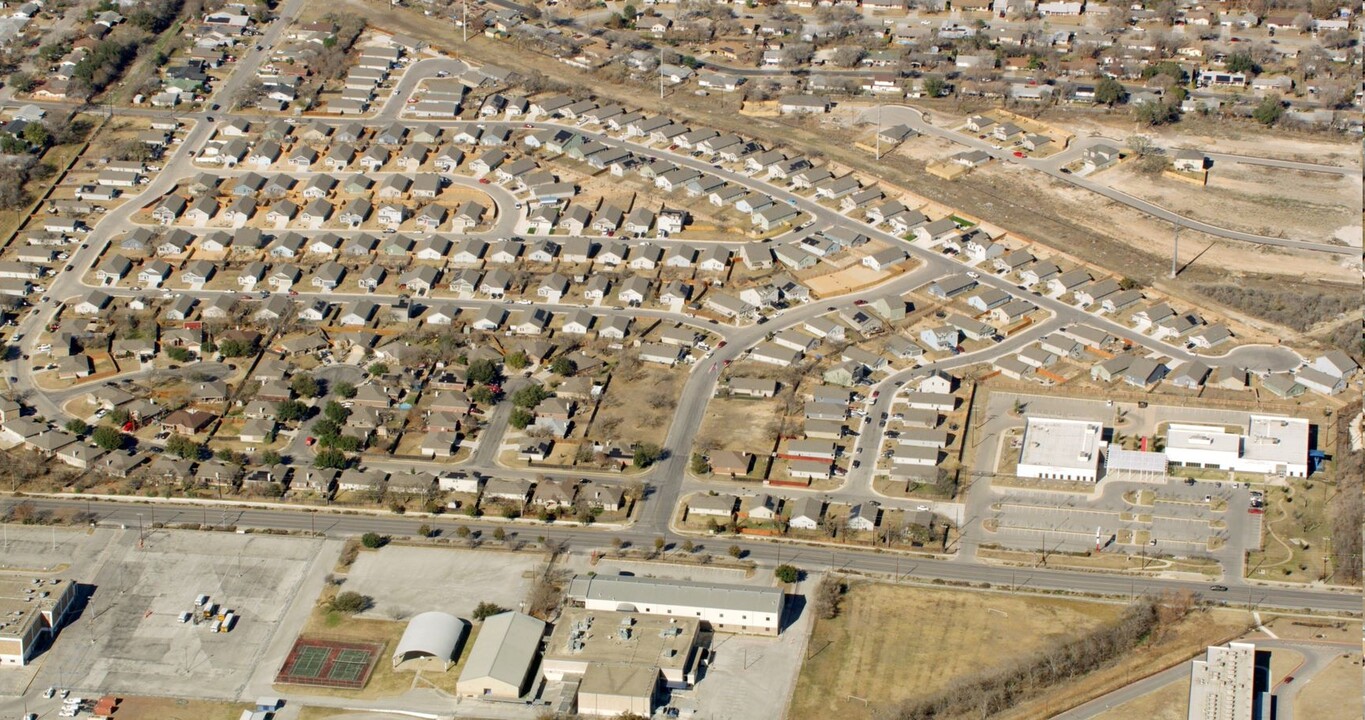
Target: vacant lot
(405,581)
(1264,200)
(1167,702)
(926,638)
(638,405)
(1333,692)
(156,708)
(743,424)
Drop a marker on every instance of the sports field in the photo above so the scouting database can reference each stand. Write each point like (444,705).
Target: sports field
(329,663)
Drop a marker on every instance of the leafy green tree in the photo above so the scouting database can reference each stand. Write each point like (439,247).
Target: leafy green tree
(520,418)
(351,602)
(485,610)
(290,411)
(1242,62)
(482,372)
(234,348)
(934,86)
(787,573)
(563,366)
(529,396)
(183,447)
(77,426)
(179,354)
(37,135)
(326,428)
(517,360)
(269,457)
(645,454)
(699,466)
(482,395)
(378,368)
(345,390)
(330,459)
(1269,111)
(304,385)
(1108,91)
(336,412)
(108,438)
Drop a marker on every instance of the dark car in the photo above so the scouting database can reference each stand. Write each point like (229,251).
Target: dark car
(1219,588)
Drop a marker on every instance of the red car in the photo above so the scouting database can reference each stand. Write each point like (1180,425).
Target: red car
(1018,154)
(859,302)
(483,181)
(309,441)
(528,126)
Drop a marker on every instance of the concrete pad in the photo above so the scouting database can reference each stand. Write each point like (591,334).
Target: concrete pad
(404,581)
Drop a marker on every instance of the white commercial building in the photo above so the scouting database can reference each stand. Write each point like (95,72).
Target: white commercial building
(1223,686)
(1058,449)
(725,608)
(1273,445)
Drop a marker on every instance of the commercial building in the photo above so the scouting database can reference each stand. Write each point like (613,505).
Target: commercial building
(31,609)
(1228,685)
(619,659)
(500,663)
(1272,444)
(723,608)
(1059,449)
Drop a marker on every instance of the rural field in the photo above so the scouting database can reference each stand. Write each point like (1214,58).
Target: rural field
(925,638)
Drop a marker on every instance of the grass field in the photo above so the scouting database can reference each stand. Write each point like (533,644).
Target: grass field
(1333,692)
(1293,531)
(925,638)
(1169,702)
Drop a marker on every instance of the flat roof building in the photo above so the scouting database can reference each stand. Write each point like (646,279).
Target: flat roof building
(1059,449)
(723,608)
(1274,445)
(1223,684)
(30,609)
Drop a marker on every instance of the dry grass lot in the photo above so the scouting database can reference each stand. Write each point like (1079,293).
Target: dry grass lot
(160,708)
(1165,703)
(927,637)
(1303,205)
(742,424)
(638,405)
(1333,692)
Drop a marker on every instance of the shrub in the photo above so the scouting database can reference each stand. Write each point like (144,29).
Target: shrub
(351,602)
(486,610)
(373,540)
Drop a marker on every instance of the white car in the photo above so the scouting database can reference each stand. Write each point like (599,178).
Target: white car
(48,693)
(973,274)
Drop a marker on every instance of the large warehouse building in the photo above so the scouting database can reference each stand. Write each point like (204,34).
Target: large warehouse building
(1058,449)
(504,654)
(724,608)
(30,610)
(1228,684)
(1273,445)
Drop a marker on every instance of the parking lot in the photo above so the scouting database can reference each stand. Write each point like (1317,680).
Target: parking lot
(1178,518)
(130,639)
(405,581)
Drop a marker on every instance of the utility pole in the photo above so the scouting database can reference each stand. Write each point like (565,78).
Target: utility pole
(465,24)
(1175,250)
(879,132)
(661,73)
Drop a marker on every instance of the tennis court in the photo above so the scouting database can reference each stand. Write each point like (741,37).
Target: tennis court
(329,663)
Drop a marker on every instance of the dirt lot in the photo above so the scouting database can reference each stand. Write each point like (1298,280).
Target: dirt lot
(742,424)
(927,637)
(1166,703)
(638,405)
(1333,692)
(405,581)
(1269,201)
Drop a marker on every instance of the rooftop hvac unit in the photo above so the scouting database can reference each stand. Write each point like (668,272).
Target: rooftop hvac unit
(624,633)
